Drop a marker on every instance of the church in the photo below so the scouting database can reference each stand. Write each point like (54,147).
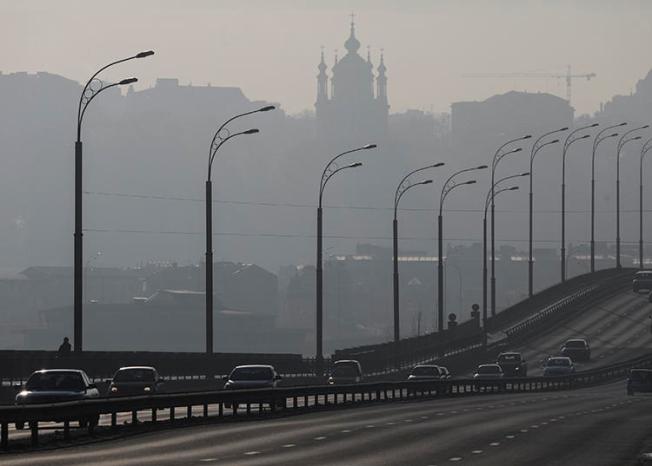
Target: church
(353,108)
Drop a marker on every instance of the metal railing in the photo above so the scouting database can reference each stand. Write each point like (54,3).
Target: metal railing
(262,402)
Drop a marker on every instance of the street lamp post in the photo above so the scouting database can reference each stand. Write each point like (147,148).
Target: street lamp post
(448,186)
(490,197)
(567,143)
(644,150)
(330,170)
(488,201)
(596,142)
(621,143)
(91,90)
(401,189)
(221,136)
(498,156)
(536,147)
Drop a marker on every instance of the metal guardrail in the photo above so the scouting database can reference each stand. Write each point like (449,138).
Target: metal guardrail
(295,399)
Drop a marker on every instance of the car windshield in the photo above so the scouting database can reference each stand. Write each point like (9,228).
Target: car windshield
(575,344)
(558,362)
(134,375)
(640,375)
(488,369)
(252,373)
(346,370)
(55,381)
(509,358)
(423,370)
(644,275)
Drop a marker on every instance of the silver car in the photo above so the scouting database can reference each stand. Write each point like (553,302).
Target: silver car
(426,372)
(488,372)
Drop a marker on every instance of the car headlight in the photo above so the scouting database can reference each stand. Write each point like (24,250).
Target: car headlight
(331,381)
(147,389)
(114,389)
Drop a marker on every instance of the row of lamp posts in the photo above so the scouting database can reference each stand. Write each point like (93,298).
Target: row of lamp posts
(94,86)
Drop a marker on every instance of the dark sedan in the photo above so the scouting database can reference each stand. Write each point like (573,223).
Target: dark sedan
(58,385)
(135,380)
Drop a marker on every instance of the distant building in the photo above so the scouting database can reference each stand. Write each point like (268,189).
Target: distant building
(352,106)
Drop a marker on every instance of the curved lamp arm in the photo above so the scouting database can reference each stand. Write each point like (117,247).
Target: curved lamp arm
(401,184)
(404,190)
(82,106)
(330,175)
(489,199)
(222,141)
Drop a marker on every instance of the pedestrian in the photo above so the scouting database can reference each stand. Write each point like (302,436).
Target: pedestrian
(64,348)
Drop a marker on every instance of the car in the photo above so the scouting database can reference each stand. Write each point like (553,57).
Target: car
(58,385)
(639,380)
(252,376)
(642,281)
(558,365)
(512,363)
(345,371)
(577,349)
(488,372)
(426,372)
(135,380)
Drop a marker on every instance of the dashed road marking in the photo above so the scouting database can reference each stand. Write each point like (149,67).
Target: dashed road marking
(345,431)
(321,437)
(510,436)
(524,430)
(494,444)
(477,452)
(455,458)
(207,460)
(252,453)
(289,445)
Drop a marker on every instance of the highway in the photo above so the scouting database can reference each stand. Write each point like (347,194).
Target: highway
(617,330)
(597,426)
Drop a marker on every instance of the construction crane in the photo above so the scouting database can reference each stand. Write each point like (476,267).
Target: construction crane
(568,76)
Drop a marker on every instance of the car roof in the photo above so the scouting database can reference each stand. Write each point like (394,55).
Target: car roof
(583,340)
(346,361)
(560,357)
(127,368)
(256,366)
(42,371)
(509,352)
(489,365)
(644,272)
(427,365)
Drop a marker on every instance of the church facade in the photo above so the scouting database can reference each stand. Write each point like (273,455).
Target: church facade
(355,106)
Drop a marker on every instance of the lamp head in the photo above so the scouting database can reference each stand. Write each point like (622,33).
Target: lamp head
(480,167)
(127,81)
(624,123)
(554,141)
(518,149)
(369,146)
(426,182)
(470,182)
(438,164)
(145,54)
(585,136)
(267,108)
(613,135)
(644,127)
(635,138)
(594,125)
(527,137)
(251,131)
(525,174)
(354,165)
(513,188)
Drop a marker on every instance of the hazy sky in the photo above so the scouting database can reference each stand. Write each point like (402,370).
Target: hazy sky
(270,48)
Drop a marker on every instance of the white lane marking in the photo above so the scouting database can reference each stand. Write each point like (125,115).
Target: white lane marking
(424,417)
(345,431)
(510,436)
(524,430)
(476,452)
(251,453)
(321,437)
(455,458)
(534,426)
(207,460)
(494,444)
(289,445)
(370,426)
(440,414)
(389,423)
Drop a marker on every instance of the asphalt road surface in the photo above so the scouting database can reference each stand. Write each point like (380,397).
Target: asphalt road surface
(617,330)
(596,426)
